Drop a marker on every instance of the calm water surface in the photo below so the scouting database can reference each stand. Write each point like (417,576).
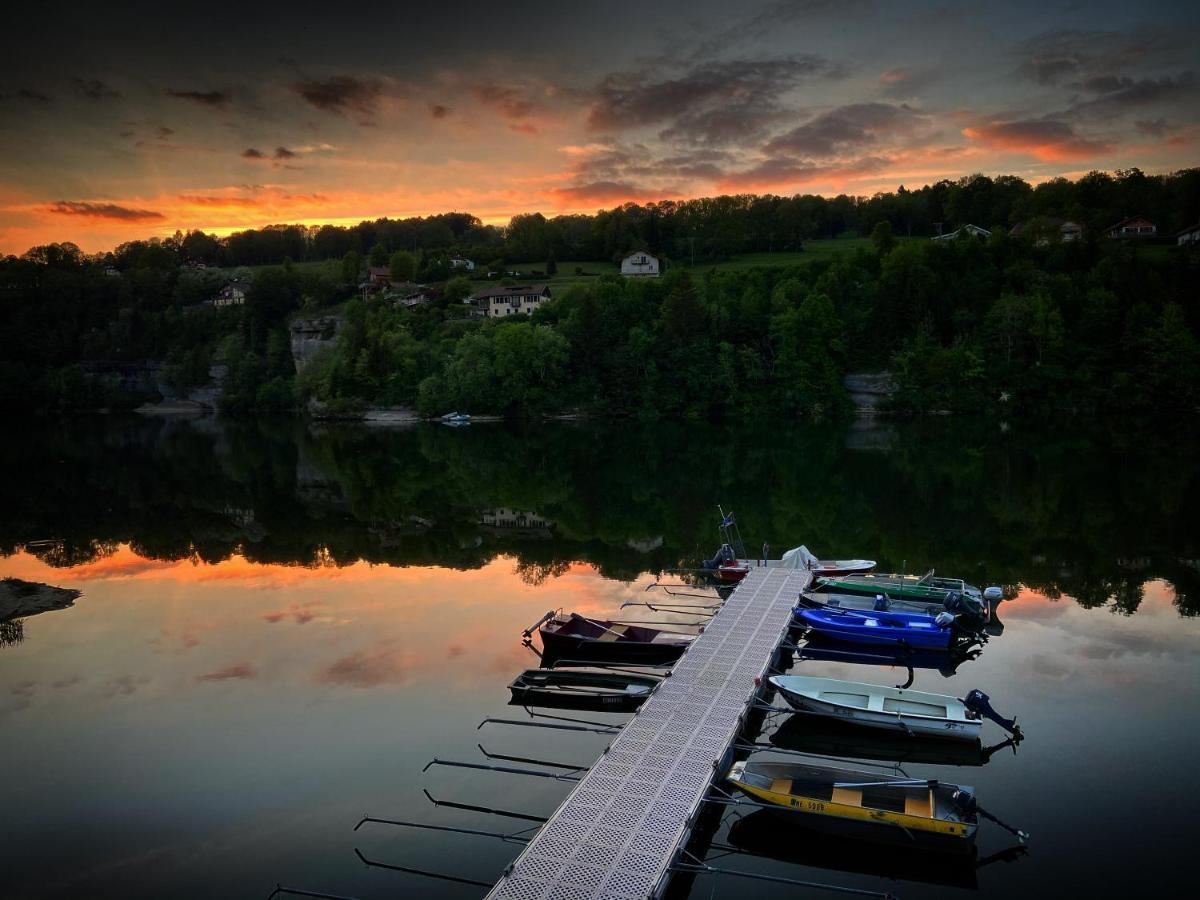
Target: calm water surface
(282,624)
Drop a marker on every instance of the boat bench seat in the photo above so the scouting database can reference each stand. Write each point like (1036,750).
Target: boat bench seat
(919,805)
(614,633)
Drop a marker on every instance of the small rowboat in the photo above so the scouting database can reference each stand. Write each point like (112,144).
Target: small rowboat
(908,587)
(575,637)
(827,737)
(734,570)
(877,807)
(575,689)
(890,628)
(802,558)
(880,706)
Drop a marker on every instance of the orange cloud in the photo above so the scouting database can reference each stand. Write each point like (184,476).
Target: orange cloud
(1044,139)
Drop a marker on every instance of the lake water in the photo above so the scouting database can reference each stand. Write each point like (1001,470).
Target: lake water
(281,624)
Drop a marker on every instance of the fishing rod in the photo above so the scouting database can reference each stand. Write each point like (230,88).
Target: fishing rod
(450,804)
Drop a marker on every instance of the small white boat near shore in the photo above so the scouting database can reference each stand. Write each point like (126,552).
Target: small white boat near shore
(879,706)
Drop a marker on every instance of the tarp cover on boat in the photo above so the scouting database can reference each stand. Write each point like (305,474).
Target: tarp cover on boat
(799,558)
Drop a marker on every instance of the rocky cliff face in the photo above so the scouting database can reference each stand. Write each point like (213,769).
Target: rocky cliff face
(310,336)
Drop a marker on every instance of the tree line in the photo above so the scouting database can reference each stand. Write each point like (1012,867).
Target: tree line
(705,229)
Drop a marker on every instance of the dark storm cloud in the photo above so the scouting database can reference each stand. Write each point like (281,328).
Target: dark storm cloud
(94,89)
(252,153)
(846,128)
(905,82)
(1115,95)
(510,101)
(31,95)
(343,94)
(285,153)
(724,125)
(608,192)
(770,19)
(632,99)
(215,99)
(1061,56)
(783,170)
(437,111)
(104,211)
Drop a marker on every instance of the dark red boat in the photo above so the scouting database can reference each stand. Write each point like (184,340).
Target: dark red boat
(575,637)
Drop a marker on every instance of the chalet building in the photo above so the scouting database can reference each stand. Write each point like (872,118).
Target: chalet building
(379,277)
(233,294)
(1067,231)
(112,272)
(461,262)
(640,264)
(1135,227)
(506,518)
(965,231)
(1189,236)
(513,299)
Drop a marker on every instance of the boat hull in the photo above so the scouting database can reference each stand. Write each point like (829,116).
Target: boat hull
(894,587)
(907,712)
(889,629)
(856,821)
(583,691)
(826,737)
(573,647)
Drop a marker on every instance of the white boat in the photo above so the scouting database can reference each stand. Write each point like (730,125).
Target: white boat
(878,706)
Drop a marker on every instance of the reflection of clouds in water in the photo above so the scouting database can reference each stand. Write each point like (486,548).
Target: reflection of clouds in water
(235,671)
(384,663)
(22,694)
(124,686)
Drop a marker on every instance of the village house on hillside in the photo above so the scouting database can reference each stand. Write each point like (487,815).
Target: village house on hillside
(1188,236)
(1133,227)
(965,231)
(379,277)
(640,264)
(512,299)
(233,294)
(461,262)
(1068,231)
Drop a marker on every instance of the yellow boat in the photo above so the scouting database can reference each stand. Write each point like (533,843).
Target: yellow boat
(864,804)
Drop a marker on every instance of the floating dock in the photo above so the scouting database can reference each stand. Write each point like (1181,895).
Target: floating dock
(620,831)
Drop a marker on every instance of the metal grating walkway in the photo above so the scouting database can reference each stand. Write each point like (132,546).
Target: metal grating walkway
(617,833)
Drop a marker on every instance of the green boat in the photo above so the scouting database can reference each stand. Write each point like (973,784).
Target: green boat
(908,587)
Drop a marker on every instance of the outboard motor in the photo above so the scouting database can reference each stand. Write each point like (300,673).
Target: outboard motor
(881,603)
(977,702)
(724,555)
(944,620)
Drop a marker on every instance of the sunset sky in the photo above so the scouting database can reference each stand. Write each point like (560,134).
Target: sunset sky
(133,119)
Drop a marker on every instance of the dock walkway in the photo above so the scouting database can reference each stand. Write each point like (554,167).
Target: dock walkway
(620,830)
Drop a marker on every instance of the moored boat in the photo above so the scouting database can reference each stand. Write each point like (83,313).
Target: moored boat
(581,689)
(802,558)
(963,606)
(888,628)
(881,706)
(575,637)
(830,737)
(877,807)
(908,587)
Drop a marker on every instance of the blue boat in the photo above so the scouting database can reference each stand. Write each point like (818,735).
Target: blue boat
(889,628)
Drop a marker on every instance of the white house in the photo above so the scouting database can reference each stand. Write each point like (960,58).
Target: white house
(461,262)
(966,230)
(512,299)
(640,264)
(233,294)
(1188,236)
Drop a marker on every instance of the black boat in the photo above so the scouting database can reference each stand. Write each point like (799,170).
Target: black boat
(823,737)
(574,637)
(581,689)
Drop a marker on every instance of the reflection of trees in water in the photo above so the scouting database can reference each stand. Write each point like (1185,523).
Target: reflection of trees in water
(12,632)
(993,508)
